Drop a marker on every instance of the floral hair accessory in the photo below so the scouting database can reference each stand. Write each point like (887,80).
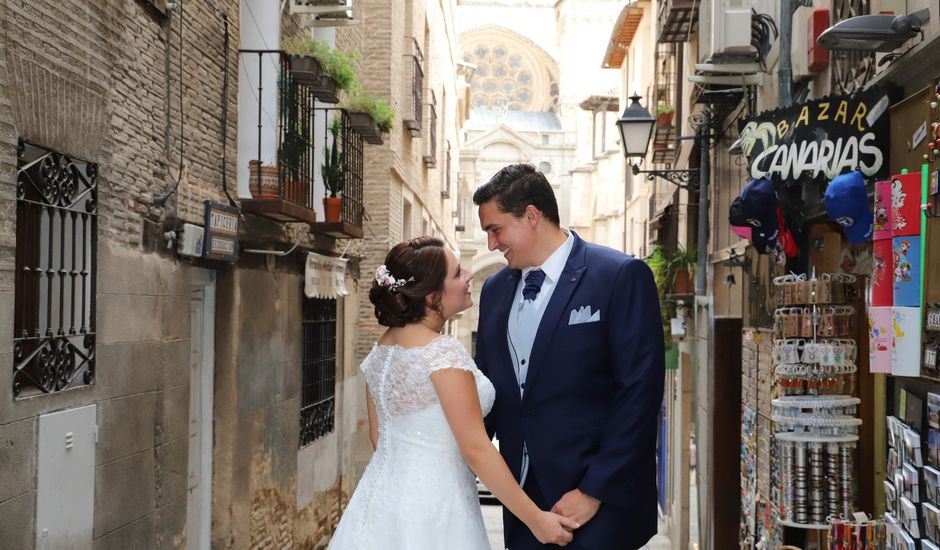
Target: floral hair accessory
(386,279)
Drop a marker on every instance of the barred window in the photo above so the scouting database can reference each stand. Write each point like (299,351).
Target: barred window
(318,399)
(56,243)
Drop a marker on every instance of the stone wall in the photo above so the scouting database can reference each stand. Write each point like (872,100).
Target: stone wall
(100,80)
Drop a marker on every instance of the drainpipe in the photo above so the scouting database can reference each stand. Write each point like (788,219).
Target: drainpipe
(701,279)
(785,71)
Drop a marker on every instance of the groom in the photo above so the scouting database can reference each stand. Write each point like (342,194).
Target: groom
(571,337)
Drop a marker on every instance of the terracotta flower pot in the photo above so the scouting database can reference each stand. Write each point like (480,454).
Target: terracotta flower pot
(297,191)
(682,283)
(665,119)
(263,180)
(333,206)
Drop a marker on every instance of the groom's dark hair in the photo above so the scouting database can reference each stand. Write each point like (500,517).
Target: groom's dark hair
(517,186)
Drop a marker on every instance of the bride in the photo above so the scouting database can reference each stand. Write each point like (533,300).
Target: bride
(426,403)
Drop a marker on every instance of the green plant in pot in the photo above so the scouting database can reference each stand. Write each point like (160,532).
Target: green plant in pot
(664,114)
(338,71)
(681,268)
(659,265)
(304,65)
(369,116)
(333,174)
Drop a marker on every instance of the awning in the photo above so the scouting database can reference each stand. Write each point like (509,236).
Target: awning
(325,276)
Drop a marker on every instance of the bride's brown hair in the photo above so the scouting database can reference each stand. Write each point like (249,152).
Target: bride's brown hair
(422,258)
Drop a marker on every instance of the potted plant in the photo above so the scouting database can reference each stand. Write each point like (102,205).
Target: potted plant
(262,180)
(293,152)
(304,66)
(370,117)
(338,71)
(333,174)
(659,265)
(681,268)
(664,114)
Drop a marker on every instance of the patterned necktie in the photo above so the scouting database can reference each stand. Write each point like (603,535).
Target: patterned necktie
(533,284)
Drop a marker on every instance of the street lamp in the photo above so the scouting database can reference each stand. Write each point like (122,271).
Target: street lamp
(636,130)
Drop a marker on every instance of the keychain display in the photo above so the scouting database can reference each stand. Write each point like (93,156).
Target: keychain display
(814,416)
(857,534)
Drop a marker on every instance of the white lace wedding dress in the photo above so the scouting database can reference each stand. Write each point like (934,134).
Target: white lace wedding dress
(417,493)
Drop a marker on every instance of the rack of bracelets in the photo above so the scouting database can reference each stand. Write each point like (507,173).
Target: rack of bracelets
(814,415)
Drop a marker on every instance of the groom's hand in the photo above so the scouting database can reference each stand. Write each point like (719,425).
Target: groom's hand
(577,505)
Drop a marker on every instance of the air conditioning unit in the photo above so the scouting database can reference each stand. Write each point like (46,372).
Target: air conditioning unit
(728,38)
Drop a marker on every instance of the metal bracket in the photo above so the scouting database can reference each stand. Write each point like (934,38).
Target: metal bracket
(683,179)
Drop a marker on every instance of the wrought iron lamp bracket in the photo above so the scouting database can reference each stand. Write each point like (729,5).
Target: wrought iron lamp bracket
(683,179)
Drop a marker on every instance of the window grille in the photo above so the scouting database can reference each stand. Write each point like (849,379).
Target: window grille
(56,258)
(318,399)
(414,60)
(430,155)
(447,169)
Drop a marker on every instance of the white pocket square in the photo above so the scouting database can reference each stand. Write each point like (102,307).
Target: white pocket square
(583,315)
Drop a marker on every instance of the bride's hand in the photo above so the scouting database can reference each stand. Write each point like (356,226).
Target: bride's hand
(551,528)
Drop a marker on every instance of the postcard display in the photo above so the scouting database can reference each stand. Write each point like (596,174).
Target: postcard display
(814,416)
(758,513)
(912,485)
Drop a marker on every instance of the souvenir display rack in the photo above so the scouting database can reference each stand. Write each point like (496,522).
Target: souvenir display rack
(814,416)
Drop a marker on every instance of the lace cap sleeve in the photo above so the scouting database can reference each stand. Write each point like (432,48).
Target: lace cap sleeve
(447,353)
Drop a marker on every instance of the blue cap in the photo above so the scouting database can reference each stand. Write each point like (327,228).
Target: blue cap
(847,203)
(758,209)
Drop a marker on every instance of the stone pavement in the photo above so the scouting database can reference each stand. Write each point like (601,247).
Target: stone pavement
(493,517)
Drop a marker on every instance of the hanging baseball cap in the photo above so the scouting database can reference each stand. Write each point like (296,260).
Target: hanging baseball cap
(847,203)
(756,208)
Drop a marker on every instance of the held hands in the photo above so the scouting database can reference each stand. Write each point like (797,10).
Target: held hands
(551,528)
(578,506)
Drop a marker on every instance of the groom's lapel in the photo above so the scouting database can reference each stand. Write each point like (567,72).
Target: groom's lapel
(568,282)
(504,301)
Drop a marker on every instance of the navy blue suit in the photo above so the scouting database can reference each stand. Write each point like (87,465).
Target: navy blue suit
(593,392)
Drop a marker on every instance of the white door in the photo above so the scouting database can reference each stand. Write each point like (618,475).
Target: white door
(202,359)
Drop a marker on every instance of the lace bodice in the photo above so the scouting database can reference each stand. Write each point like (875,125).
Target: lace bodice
(417,492)
(399,378)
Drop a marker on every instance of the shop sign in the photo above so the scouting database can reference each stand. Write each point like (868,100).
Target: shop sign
(819,139)
(221,238)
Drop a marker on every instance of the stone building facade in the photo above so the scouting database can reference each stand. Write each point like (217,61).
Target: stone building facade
(196,395)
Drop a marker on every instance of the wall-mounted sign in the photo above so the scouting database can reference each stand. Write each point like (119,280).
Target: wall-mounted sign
(819,139)
(221,238)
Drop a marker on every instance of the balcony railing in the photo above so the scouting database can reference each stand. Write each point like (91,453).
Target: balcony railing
(445,191)
(284,191)
(430,154)
(352,210)
(414,61)
(677,20)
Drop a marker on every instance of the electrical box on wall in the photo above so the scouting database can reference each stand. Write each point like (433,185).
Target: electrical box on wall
(806,57)
(190,240)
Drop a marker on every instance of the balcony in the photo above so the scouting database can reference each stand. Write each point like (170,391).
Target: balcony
(430,152)
(285,190)
(349,224)
(413,105)
(677,20)
(664,138)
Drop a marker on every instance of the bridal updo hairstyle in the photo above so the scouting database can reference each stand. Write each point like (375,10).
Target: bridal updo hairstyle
(422,258)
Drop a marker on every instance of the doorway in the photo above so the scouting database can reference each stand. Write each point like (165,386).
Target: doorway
(201,375)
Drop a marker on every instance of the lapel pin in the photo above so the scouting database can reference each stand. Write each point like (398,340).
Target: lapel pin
(573,279)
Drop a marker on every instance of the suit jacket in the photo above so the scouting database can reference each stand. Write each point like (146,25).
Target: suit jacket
(593,391)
